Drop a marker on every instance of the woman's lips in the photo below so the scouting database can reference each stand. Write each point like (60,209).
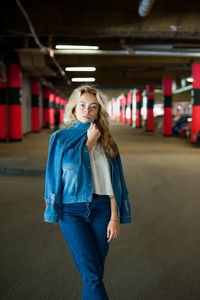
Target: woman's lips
(87,117)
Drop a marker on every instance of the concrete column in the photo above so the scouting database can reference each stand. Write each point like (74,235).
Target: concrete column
(130,108)
(195,102)
(121,110)
(14,102)
(150,124)
(51,109)
(167,117)
(124,109)
(138,108)
(3,107)
(61,109)
(45,107)
(35,112)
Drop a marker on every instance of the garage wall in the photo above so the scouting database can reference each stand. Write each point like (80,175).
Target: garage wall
(26,105)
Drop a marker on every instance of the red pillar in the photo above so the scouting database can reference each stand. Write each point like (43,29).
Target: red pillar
(130,107)
(121,110)
(138,108)
(14,102)
(3,112)
(118,109)
(35,91)
(57,101)
(150,103)
(195,101)
(65,106)
(61,110)
(124,109)
(167,117)
(51,109)
(45,107)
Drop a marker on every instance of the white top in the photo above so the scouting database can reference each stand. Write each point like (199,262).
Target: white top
(101,180)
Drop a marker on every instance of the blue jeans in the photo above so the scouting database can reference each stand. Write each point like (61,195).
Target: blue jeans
(84,226)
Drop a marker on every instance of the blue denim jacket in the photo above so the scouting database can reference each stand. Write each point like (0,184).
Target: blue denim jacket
(69,176)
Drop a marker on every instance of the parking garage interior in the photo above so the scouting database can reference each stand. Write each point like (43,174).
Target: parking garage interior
(145,57)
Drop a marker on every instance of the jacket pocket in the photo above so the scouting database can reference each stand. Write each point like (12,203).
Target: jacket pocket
(71,159)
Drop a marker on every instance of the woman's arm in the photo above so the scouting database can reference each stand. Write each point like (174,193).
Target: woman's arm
(113,205)
(53,180)
(113,230)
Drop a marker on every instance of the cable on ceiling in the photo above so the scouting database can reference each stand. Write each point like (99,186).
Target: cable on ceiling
(44,49)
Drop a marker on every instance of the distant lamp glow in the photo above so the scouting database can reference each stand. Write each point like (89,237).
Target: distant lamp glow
(76,47)
(189,79)
(81,69)
(158,91)
(83,79)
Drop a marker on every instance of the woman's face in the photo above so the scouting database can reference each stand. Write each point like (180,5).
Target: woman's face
(87,108)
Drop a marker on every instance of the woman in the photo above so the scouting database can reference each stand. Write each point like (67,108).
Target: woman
(85,189)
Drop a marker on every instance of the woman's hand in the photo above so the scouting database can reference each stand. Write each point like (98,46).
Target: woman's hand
(113,229)
(93,134)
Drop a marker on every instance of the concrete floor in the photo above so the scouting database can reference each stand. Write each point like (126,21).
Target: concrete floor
(156,257)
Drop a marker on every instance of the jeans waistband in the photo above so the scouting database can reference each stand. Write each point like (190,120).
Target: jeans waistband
(94,196)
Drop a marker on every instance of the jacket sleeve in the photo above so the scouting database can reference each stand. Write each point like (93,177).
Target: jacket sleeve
(53,180)
(125,209)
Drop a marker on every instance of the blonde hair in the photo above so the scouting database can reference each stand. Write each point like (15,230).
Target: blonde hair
(102,122)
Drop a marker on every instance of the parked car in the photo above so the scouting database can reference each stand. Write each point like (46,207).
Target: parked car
(198,137)
(180,121)
(185,130)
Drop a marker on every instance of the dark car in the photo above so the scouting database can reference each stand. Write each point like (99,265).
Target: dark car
(180,121)
(198,137)
(185,129)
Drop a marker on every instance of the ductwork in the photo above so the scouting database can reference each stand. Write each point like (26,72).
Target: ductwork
(35,64)
(43,49)
(145,7)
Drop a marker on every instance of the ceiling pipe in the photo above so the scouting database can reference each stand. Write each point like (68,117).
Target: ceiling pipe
(115,52)
(42,48)
(167,53)
(184,89)
(145,7)
(126,47)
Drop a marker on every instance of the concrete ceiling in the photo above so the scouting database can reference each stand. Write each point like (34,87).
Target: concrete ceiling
(165,43)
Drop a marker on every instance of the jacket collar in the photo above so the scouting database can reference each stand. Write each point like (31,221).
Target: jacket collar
(78,124)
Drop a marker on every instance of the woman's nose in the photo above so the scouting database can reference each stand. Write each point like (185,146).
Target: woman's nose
(86,109)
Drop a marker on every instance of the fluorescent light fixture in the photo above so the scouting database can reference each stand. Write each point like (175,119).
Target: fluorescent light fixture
(83,79)
(76,47)
(189,79)
(158,91)
(82,69)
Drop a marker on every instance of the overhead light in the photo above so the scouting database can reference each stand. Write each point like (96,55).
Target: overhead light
(77,47)
(82,69)
(158,91)
(175,27)
(83,79)
(189,79)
